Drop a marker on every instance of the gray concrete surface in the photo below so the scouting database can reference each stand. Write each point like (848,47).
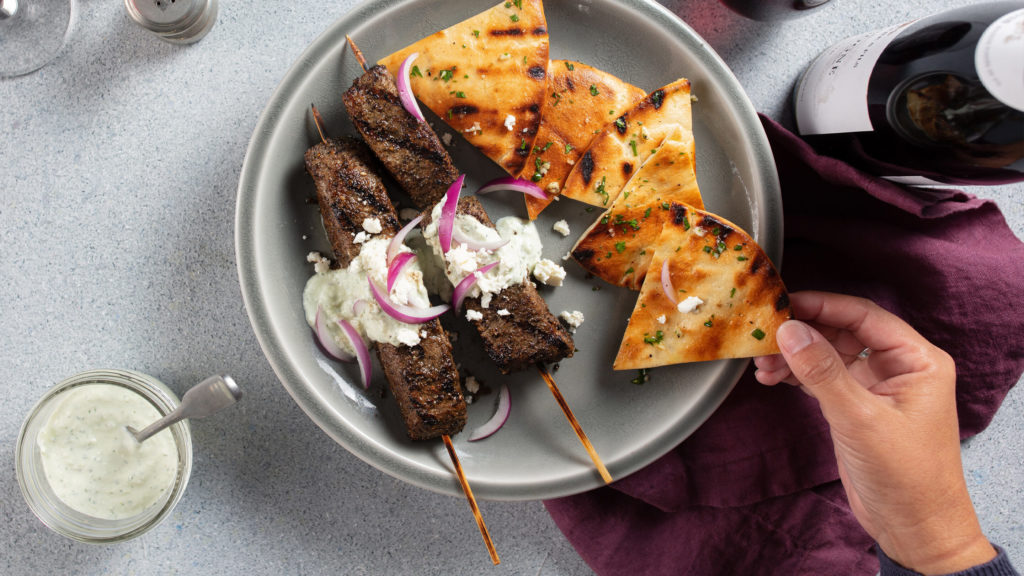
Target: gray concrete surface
(120,163)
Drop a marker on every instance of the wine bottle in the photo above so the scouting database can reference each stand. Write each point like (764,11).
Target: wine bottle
(771,10)
(936,100)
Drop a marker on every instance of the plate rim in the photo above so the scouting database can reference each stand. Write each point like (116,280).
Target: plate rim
(363,446)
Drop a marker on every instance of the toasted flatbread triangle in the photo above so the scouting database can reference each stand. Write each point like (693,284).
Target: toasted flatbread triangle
(626,142)
(486,77)
(571,116)
(619,245)
(743,298)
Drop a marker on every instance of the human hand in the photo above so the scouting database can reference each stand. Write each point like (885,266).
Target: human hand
(894,427)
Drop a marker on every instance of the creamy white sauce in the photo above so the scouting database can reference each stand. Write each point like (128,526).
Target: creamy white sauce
(516,259)
(336,292)
(94,465)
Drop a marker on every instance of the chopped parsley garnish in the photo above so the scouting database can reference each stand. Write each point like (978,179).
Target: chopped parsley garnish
(632,144)
(738,247)
(686,223)
(716,231)
(707,249)
(733,292)
(518,3)
(758,333)
(656,339)
(620,123)
(476,33)
(449,113)
(628,271)
(445,75)
(514,18)
(665,206)
(460,94)
(415,71)
(508,4)
(522,144)
(568,148)
(647,212)
(588,209)
(608,255)
(641,377)
(620,247)
(546,146)
(601,191)
(710,322)
(593,90)
(741,258)
(604,219)
(569,66)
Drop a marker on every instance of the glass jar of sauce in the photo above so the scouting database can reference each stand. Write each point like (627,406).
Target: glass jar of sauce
(84,475)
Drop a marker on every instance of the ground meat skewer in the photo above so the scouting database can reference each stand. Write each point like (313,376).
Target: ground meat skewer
(422,378)
(411,152)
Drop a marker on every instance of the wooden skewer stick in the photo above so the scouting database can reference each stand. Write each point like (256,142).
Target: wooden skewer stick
(319,121)
(357,52)
(472,501)
(575,424)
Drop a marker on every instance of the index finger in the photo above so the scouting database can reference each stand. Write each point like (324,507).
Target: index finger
(873,325)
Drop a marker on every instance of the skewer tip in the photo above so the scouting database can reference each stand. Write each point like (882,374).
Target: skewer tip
(356,52)
(601,469)
(471,499)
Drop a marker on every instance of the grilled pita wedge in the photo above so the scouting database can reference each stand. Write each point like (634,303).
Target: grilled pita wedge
(626,142)
(742,300)
(486,77)
(618,247)
(579,102)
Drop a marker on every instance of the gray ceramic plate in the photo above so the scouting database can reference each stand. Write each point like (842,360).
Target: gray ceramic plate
(536,455)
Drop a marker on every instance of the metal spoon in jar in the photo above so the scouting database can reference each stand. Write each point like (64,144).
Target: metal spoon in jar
(209,396)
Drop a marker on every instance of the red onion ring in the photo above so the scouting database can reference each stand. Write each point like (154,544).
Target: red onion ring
(666,283)
(514,184)
(459,294)
(395,246)
(323,336)
(362,352)
(447,222)
(403,313)
(461,238)
(358,306)
(405,88)
(396,267)
(499,418)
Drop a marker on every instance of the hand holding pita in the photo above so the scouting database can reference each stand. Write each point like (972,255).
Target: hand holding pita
(889,398)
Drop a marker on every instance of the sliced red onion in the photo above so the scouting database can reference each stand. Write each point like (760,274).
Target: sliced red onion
(395,247)
(461,238)
(447,222)
(404,313)
(666,283)
(323,336)
(514,184)
(358,306)
(499,418)
(405,89)
(459,294)
(396,267)
(362,352)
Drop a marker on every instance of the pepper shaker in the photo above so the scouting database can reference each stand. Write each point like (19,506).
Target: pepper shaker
(176,21)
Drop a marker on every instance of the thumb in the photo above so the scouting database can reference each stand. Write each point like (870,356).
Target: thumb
(816,364)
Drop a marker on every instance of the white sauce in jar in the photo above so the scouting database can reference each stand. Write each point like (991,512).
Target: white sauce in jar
(94,465)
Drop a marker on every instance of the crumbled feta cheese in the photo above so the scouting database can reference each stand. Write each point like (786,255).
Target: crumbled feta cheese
(567,255)
(472,315)
(423,333)
(372,225)
(503,312)
(689,305)
(570,161)
(556,198)
(542,169)
(699,231)
(552,188)
(548,272)
(504,56)
(574,319)
(408,336)
(472,386)
(446,138)
(361,237)
(474,129)
(510,122)
(562,227)
(321,265)
(661,319)
(407,214)
(304,237)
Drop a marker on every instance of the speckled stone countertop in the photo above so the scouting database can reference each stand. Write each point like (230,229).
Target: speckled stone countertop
(117,191)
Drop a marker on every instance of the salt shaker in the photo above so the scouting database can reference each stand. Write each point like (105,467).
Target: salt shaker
(176,21)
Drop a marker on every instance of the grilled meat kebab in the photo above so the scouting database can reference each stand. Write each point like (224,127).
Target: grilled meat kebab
(412,153)
(422,378)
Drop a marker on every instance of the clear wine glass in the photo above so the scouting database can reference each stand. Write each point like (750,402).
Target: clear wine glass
(32,33)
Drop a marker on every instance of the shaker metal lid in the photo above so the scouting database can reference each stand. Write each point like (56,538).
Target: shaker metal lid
(181,21)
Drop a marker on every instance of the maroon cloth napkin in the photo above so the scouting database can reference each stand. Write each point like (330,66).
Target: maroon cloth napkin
(755,490)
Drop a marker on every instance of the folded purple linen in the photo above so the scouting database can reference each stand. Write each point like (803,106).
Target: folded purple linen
(755,490)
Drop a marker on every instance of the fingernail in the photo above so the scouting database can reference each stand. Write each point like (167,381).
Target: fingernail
(793,336)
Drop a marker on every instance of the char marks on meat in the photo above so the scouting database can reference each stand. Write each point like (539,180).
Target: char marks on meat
(409,149)
(423,378)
